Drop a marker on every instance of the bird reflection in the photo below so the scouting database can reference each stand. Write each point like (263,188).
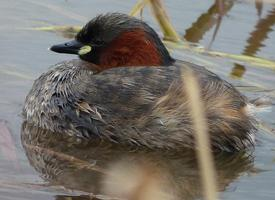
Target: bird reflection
(99,168)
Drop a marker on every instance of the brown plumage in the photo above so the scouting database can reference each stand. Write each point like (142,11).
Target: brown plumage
(143,106)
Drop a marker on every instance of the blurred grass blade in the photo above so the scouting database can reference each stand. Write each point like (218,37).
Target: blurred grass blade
(255,61)
(248,59)
(136,182)
(6,70)
(66,31)
(74,29)
(205,157)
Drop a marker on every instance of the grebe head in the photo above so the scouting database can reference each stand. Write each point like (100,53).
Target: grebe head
(116,39)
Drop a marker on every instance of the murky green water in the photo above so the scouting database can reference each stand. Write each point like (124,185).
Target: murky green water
(28,172)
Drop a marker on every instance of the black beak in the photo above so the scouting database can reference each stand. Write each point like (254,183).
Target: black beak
(71,47)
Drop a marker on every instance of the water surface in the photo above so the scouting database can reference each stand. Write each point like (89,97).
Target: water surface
(246,28)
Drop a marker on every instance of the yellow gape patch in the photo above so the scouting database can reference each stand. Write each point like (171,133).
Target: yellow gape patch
(84,50)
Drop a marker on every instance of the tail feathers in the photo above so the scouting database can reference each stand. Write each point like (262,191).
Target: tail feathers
(259,105)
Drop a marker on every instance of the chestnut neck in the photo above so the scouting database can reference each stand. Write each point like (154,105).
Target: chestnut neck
(134,48)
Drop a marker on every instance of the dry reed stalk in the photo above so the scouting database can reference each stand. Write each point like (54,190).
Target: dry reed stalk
(160,15)
(205,157)
(138,7)
(162,18)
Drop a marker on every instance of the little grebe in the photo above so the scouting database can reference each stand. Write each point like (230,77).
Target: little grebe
(132,103)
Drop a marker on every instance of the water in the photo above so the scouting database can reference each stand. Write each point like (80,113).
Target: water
(244,29)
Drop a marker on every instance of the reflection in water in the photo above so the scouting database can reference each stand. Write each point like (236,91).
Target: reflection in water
(255,41)
(259,7)
(82,197)
(237,71)
(262,28)
(206,21)
(100,168)
(213,17)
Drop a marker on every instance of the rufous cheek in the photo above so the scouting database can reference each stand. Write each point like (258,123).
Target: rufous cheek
(131,48)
